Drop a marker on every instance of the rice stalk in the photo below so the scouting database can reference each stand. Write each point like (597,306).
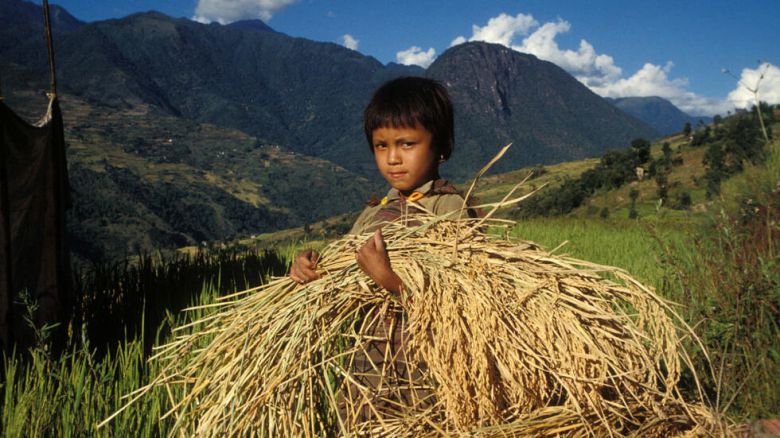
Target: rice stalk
(500,338)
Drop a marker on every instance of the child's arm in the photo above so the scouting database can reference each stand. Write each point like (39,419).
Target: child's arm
(303,265)
(373,260)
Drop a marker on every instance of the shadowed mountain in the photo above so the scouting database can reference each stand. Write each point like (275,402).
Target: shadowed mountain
(308,96)
(218,131)
(21,17)
(304,95)
(504,96)
(658,113)
(251,26)
(143,177)
(22,37)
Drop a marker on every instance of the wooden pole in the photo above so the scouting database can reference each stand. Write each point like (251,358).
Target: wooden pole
(50,45)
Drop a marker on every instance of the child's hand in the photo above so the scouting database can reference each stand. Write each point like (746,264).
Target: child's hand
(303,265)
(373,260)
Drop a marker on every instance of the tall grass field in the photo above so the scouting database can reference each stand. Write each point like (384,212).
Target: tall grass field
(721,268)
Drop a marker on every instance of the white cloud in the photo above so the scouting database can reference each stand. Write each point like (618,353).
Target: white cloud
(501,29)
(768,87)
(599,72)
(349,41)
(458,40)
(650,78)
(585,64)
(228,11)
(415,56)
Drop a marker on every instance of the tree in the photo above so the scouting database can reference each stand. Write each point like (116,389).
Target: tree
(633,194)
(662,181)
(714,162)
(641,150)
(701,136)
(741,143)
(764,111)
(662,164)
(684,200)
(666,148)
(538,171)
(765,67)
(687,129)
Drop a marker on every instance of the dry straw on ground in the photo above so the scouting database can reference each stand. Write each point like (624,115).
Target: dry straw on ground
(491,337)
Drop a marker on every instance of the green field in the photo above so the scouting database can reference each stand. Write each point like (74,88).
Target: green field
(719,261)
(636,247)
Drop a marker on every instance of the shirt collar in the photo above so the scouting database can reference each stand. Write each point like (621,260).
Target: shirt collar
(394,194)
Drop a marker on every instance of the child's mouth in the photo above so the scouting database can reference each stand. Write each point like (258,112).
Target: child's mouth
(396,175)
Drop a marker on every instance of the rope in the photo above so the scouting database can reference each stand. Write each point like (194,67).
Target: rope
(47,22)
(6,289)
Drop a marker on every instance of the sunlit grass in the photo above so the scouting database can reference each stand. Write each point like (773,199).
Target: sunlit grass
(628,244)
(681,254)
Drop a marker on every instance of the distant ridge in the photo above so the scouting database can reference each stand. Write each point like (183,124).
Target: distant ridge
(181,132)
(22,19)
(251,26)
(308,96)
(659,113)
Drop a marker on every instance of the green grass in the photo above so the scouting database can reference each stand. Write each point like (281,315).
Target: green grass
(493,188)
(629,244)
(722,268)
(69,396)
(108,344)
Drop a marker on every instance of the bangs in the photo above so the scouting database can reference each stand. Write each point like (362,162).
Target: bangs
(408,102)
(391,119)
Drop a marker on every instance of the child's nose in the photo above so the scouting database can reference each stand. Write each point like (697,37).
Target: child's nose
(393,155)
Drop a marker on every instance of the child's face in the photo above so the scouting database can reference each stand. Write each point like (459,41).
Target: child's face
(404,156)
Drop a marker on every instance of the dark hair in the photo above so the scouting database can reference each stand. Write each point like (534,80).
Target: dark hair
(410,100)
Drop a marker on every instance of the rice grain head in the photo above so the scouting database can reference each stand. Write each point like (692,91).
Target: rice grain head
(498,338)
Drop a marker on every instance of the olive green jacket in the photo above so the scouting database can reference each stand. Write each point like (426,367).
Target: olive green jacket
(439,197)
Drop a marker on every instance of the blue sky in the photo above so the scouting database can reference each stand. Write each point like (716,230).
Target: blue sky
(618,48)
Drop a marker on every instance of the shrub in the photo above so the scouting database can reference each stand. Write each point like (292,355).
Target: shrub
(728,282)
(683,201)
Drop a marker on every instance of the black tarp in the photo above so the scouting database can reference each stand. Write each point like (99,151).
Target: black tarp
(34,193)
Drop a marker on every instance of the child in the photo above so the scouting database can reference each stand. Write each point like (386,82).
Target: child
(410,131)
(409,128)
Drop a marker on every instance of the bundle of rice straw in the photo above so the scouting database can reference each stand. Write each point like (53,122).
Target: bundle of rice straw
(499,337)
(491,337)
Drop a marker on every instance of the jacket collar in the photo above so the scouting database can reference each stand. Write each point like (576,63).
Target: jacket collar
(394,194)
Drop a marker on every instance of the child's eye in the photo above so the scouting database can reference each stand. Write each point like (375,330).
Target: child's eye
(407,144)
(380,146)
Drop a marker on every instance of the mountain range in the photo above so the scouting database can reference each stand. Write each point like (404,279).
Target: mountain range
(180,132)
(658,113)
